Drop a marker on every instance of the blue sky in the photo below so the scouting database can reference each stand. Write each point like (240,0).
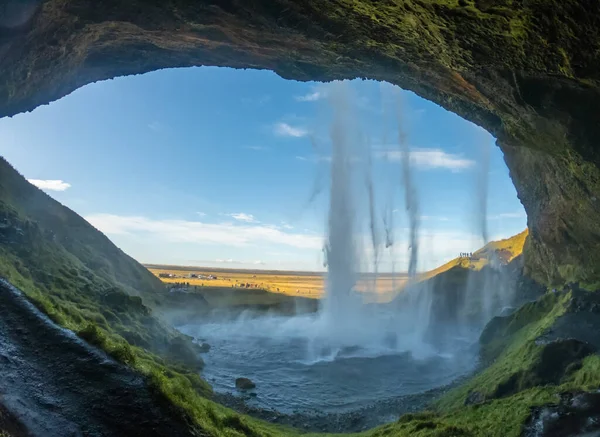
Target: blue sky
(218,167)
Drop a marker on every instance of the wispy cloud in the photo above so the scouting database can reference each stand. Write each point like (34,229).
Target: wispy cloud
(235,261)
(430,159)
(200,214)
(257,148)
(50,184)
(286,130)
(243,217)
(508,215)
(311,97)
(185,231)
(314,158)
(227,261)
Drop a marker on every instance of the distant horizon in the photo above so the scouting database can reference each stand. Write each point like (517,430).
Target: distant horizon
(248,269)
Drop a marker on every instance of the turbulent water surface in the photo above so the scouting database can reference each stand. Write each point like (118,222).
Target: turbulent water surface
(296,370)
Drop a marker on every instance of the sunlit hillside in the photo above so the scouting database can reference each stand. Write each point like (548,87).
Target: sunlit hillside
(506,250)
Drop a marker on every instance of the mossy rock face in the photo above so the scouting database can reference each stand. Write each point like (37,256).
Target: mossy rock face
(576,414)
(183,350)
(552,341)
(556,361)
(528,72)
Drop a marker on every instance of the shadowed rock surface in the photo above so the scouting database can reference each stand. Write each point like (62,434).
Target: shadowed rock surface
(57,386)
(576,415)
(528,72)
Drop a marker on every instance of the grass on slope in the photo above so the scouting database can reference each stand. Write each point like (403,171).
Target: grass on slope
(507,250)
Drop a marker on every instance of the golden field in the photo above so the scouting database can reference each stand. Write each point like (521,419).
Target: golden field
(299,284)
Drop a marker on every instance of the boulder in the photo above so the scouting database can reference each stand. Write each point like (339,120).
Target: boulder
(475,398)
(244,384)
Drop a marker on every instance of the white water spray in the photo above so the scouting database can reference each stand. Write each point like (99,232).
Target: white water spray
(410,195)
(341,305)
(482,190)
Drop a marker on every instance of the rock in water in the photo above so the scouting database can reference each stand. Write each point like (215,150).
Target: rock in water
(204,348)
(244,384)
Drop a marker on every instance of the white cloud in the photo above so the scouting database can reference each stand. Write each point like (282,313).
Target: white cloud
(243,217)
(184,231)
(50,184)
(286,225)
(200,214)
(314,158)
(257,148)
(234,261)
(508,215)
(286,130)
(227,261)
(430,159)
(311,97)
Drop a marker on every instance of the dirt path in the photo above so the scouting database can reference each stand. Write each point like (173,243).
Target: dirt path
(58,386)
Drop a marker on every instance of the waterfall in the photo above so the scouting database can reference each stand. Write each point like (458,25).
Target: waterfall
(341,306)
(352,226)
(410,194)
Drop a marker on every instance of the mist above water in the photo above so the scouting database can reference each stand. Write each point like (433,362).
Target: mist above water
(432,325)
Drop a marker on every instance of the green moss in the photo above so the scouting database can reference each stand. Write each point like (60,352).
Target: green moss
(501,417)
(587,377)
(509,344)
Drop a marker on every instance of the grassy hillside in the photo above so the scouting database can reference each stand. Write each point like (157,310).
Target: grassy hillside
(456,286)
(73,234)
(506,250)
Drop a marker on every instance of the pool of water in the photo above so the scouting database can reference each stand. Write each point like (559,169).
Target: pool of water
(297,369)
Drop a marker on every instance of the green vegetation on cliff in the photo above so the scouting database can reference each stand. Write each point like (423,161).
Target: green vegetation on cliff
(75,275)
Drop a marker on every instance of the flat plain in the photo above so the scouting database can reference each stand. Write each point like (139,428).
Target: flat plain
(299,284)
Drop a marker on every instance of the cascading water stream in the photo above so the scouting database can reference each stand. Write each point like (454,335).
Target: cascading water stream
(340,305)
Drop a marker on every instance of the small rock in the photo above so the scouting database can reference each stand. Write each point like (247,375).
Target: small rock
(204,348)
(475,398)
(244,384)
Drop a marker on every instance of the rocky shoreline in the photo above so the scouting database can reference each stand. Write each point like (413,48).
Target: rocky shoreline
(378,413)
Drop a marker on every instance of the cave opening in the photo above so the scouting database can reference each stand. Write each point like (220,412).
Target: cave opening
(527,72)
(224,170)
